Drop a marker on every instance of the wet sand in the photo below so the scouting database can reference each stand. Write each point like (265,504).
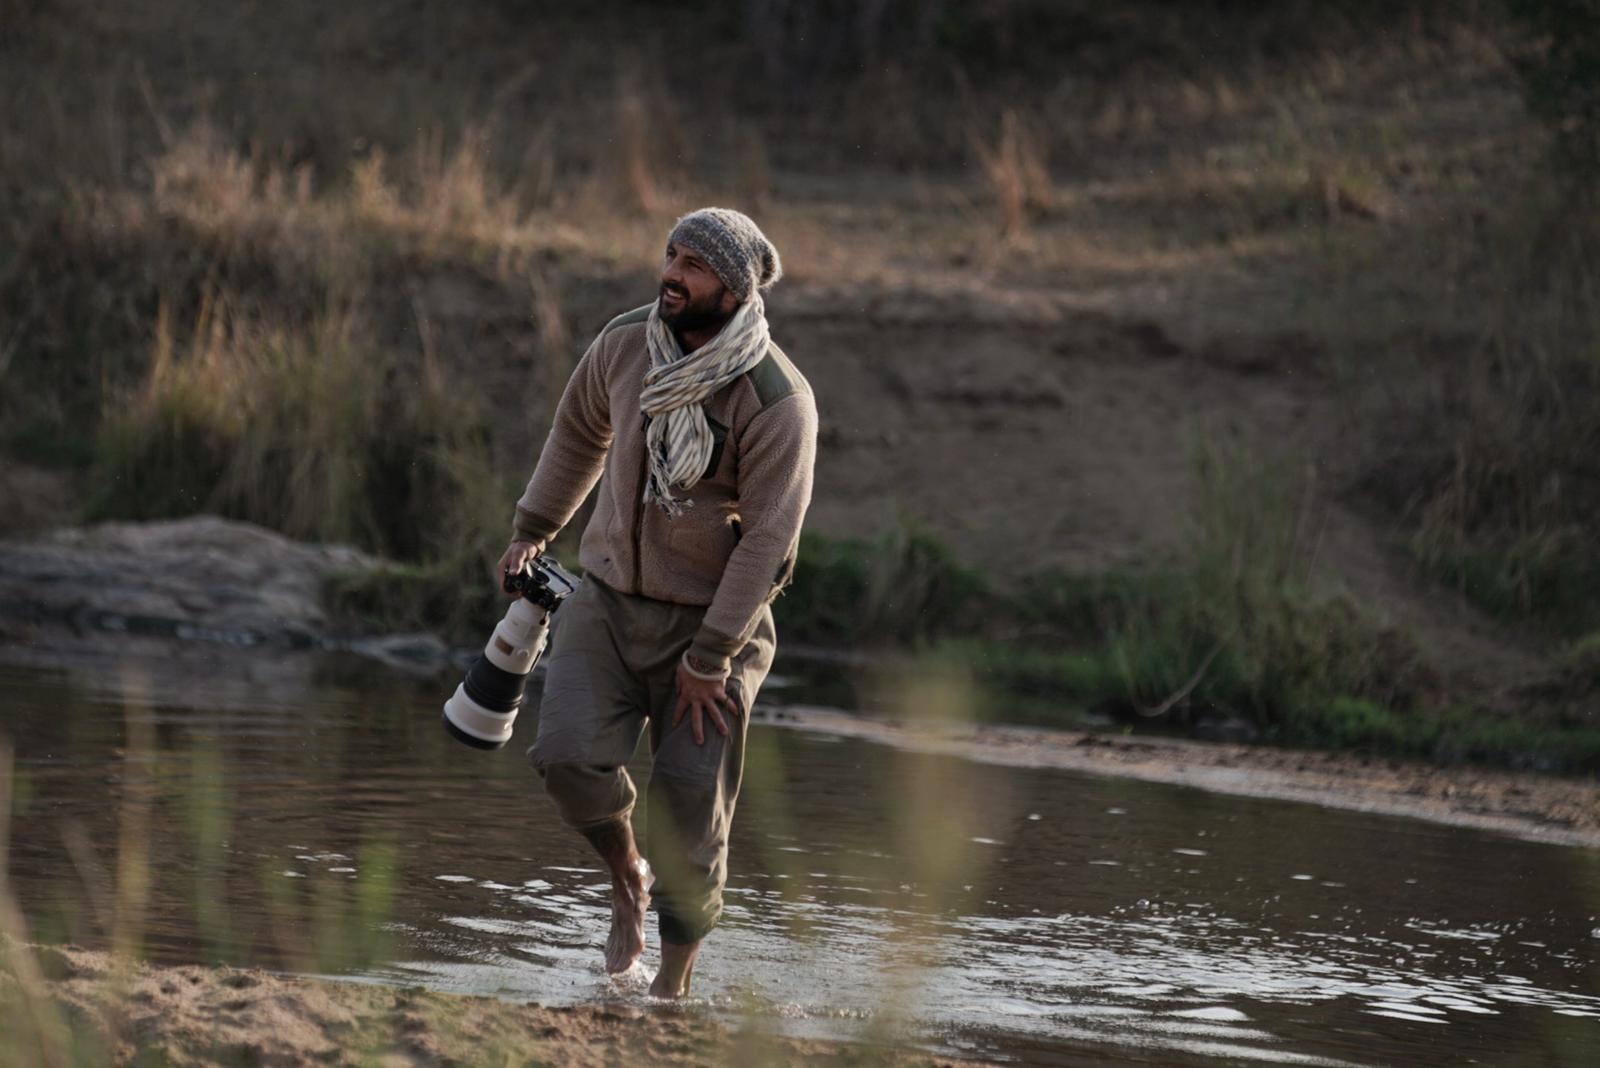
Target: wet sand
(197,1016)
(1542,808)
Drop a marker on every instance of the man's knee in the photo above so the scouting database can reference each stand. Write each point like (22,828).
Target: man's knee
(588,795)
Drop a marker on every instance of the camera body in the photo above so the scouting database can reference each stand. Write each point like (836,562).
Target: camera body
(484,707)
(541,581)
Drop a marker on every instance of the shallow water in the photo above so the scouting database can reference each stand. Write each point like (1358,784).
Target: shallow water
(321,823)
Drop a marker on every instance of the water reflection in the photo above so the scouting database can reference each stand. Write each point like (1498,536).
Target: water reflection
(1060,919)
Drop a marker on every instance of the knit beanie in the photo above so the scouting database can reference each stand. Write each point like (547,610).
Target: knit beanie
(733,246)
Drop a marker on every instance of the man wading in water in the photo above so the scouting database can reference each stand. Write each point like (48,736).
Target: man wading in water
(705,435)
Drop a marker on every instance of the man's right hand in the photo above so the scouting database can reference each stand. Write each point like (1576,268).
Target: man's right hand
(517,554)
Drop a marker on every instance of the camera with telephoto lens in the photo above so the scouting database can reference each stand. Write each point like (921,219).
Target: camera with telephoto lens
(485,705)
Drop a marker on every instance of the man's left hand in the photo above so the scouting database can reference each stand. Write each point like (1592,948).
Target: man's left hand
(700,698)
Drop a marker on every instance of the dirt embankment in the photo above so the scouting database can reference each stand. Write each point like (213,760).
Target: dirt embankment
(1037,432)
(139,1014)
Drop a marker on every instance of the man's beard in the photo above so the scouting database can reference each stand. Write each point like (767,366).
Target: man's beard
(694,315)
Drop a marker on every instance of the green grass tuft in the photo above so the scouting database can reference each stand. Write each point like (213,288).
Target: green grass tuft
(1233,626)
(1498,465)
(903,589)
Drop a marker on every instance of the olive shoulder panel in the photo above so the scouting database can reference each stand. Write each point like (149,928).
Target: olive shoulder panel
(775,378)
(629,318)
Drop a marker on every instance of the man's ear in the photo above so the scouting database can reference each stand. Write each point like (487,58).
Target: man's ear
(729,303)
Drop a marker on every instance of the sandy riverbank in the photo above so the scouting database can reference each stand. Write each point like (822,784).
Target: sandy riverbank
(1529,805)
(192,1015)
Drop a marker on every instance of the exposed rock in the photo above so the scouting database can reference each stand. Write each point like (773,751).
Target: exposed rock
(205,580)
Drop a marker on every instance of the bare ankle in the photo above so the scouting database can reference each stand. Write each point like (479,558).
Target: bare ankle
(677,970)
(614,842)
(632,882)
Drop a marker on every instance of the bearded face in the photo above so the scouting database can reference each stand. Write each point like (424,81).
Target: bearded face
(692,297)
(687,314)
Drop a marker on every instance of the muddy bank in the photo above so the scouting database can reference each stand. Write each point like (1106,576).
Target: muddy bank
(1531,806)
(195,1015)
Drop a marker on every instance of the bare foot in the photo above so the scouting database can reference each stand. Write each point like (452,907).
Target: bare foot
(630,891)
(630,898)
(677,968)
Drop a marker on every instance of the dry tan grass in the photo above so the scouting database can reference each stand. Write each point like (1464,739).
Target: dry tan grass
(503,191)
(1016,172)
(635,160)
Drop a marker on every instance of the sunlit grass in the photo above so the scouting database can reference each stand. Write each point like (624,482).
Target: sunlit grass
(319,434)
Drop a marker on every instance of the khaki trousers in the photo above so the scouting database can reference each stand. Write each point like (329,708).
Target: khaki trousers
(610,674)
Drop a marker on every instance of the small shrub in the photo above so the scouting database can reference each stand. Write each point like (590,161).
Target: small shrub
(1045,674)
(1345,722)
(1553,576)
(1500,463)
(1233,625)
(1243,593)
(1466,735)
(903,589)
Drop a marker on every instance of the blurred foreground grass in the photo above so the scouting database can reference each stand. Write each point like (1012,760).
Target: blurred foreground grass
(319,926)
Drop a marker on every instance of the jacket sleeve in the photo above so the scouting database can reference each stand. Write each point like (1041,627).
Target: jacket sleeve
(776,457)
(574,453)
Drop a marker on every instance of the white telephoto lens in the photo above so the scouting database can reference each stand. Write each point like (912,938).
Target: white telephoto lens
(471,718)
(518,639)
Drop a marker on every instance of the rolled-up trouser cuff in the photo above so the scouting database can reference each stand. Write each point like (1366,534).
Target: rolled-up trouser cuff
(587,795)
(677,932)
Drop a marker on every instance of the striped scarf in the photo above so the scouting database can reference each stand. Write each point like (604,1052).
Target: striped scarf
(678,442)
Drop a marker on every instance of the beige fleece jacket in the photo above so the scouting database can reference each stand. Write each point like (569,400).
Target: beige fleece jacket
(735,548)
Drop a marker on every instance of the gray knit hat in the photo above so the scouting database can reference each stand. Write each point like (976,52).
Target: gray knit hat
(733,246)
